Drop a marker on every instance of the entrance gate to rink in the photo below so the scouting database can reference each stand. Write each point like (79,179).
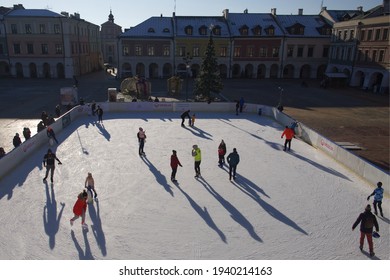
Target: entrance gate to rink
(363,168)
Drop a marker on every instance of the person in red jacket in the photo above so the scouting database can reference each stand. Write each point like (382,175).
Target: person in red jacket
(174,164)
(289,133)
(79,208)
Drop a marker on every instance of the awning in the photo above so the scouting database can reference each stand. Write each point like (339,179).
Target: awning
(336,75)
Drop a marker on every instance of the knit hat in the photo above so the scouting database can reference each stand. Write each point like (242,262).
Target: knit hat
(195,146)
(368,207)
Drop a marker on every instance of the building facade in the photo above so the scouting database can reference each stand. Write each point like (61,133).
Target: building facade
(109,34)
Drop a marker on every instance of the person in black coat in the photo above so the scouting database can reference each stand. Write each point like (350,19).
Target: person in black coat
(99,112)
(49,162)
(185,115)
(16,141)
(26,133)
(367,222)
(233,159)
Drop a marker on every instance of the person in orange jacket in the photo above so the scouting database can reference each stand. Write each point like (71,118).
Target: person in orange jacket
(79,208)
(289,133)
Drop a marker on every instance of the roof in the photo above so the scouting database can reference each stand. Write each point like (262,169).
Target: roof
(197,22)
(238,20)
(312,23)
(342,15)
(32,13)
(152,27)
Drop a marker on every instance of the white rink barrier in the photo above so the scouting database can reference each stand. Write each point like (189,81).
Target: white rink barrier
(366,170)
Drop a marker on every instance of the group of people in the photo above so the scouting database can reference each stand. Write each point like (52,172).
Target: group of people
(191,119)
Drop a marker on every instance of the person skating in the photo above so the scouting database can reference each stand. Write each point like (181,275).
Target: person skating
(49,162)
(193,120)
(80,208)
(99,112)
(90,184)
(367,222)
(233,159)
(185,115)
(378,196)
(50,133)
(141,141)
(197,154)
(175,162)
(221,153)
(93,108)
(289,133)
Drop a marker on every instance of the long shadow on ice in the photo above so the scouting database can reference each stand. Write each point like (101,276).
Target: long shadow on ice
(198,132)
(83,255)
(234,213)
(161,179)
(244,187)
(204,214)
(51,222)
(97,230)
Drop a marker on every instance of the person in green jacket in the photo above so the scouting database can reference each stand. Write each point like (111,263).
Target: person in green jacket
(197,154)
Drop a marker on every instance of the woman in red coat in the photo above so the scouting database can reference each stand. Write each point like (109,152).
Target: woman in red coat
(79,208)
(174,164)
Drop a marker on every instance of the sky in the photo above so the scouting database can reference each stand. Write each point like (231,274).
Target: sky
(131,13)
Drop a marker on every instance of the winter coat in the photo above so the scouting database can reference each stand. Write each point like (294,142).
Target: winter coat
(175,161)
(378,194)
(233,158)
(186,114)
(367,222)
(222,146)
(49,159)
(196,153)
(289,133)
(16,141)
(26,133)
(80,206)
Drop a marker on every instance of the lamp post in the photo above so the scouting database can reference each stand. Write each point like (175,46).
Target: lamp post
(187,59)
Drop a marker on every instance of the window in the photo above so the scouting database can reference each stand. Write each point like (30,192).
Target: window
(42,29)
(385,34)
(237,52)
(166,51)
(369,35)
(374,53)
(57,29)
(138,50)
(310,51)
(195,51)
(251,52)
(244,30)
(381,55)
(270,31)
(28,28)
(275,52)
(58,49)
(30,48)
(223,52)
(217,30)
(16,48)
(188,30)
(14,29)
(151,30)
(339,35)
(300,51)
(257,30)
(377,34)
(203,30)
(166,30)
(345,37)
(362,35)
(182,51)
(352,35)
(325,51)
(263,52)
(125,51)
(151,51)
(366,53)
(45,49)
(290,51)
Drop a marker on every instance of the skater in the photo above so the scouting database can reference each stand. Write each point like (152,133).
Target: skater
(221,153)
(242,102)
(49,162)
(41,126)
(90,184)
(16,141)
(44,117)
(50,133)
(93,107)
(141,141)
(185,115)
(99,112)
(289,133)
(193,120)
(378,196)
(174,164)
(367,222)
(58,110)
(79,208)
(197,154)
(237,107)
(233,159)
(26,133)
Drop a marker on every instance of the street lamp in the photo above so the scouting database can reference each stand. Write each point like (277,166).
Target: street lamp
(187,59)
(280,106)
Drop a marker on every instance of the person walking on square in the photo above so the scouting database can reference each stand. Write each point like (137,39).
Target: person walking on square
(289,133)
(99,112)
(26,133)
(197,154)
(233,159)
(185,115)
(16,141)
(141,141)
(80,208)
(378,196)
(221,153)
(49,162)
(367,222)
(90,184)
(175,162)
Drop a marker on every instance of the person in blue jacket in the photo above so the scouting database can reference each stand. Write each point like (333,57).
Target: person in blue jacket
(378,196)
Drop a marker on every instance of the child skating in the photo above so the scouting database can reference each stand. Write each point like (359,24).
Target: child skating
(80,208)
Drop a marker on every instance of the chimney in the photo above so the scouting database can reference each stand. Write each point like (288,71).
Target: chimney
(300,12)
(273,11)
(323,9)
(360,8)
(225,13)
(386,6)
(245,11)
(66,14)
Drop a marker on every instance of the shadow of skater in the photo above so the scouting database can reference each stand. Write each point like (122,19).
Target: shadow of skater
(96,227)
(103,131)
(234,213)
(87,255)
(199,132)
(204,214)
(161,179)
(269,208)
(50,220)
